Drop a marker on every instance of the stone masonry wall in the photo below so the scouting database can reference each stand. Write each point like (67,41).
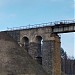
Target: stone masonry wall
(14,60)
(51,47)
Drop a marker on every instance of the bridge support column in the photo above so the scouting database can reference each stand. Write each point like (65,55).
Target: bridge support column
(51,60)
(34,51)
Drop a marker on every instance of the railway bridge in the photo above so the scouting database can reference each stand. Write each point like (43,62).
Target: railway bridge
(43,43)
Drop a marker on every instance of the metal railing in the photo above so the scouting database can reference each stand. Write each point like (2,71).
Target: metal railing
(42,25)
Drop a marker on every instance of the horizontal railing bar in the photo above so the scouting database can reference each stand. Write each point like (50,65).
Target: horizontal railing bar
(43,24)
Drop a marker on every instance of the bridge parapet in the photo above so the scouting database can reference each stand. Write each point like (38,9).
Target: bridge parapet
(42,25)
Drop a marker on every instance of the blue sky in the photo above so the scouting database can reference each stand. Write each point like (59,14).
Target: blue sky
(15,13)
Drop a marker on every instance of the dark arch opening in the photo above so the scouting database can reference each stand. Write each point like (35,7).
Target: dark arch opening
(39,50)
(25,43)
(38,39)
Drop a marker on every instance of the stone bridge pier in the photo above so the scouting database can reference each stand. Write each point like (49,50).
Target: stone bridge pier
(51,61)
(44,48)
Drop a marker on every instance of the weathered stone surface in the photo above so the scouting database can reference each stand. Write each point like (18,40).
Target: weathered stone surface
(51,55)
(50,58)
(47,56)
(14,60)
(35,51)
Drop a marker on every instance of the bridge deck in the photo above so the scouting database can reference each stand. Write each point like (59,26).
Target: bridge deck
(63,26)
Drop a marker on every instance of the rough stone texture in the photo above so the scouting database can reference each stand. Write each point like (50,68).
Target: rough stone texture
(63,73)
(14,60)
(15,34)
(51,55)
(47,57)
(34,51)
(56,57)
(51,47)
(32,33)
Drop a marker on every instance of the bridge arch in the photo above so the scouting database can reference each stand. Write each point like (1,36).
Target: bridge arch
(25,43)
(39,40)
(43,46)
